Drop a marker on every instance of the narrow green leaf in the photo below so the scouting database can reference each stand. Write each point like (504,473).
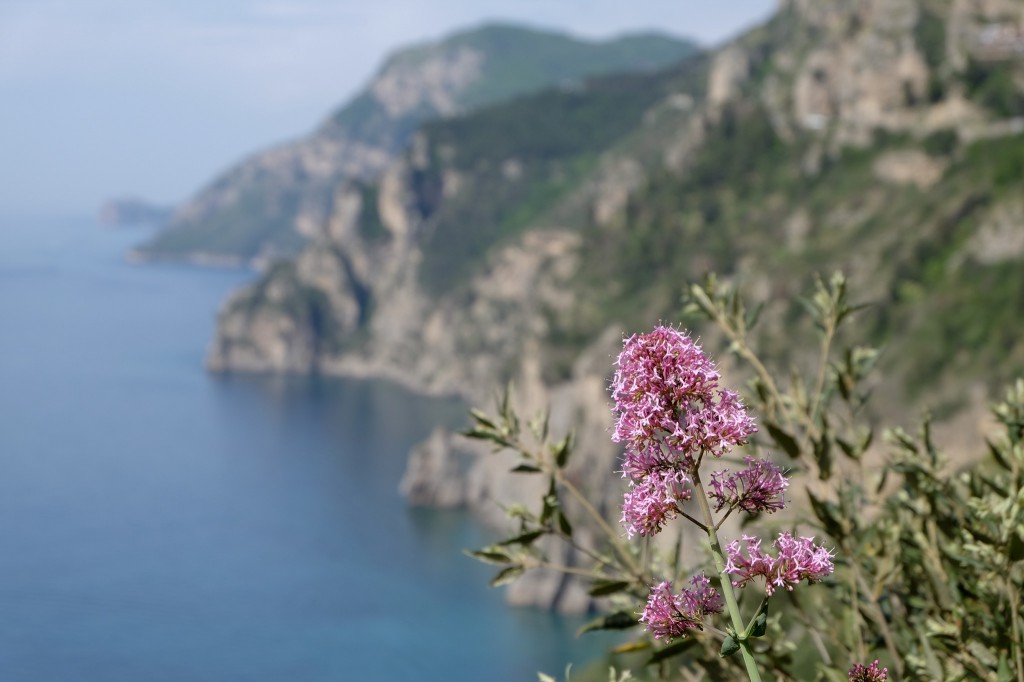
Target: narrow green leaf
(760,623)
(828,513)
(525,539)
(998,456)
(882,480)
(1015,548)
(507,575)
(729,646)
(848,448)
(490,555)
(482,434)
(823,455)
(482,418)
(753,316)
(525,468)
(602,588)
(674,649)
(563,523)
(562,451)
(632,647)
(783,439)
(618,620)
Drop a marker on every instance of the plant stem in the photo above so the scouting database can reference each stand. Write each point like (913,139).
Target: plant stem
(613,537)
(727,591)
(819,383)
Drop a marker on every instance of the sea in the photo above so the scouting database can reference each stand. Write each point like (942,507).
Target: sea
(159,523)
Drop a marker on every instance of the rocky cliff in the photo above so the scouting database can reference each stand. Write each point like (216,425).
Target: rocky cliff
(520,242)
(271,204)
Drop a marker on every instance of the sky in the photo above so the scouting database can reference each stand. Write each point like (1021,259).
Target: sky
(153,98)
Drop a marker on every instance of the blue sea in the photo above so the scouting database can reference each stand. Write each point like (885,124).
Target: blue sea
(158,523)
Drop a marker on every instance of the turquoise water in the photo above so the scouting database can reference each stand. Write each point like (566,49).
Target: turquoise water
(157,523)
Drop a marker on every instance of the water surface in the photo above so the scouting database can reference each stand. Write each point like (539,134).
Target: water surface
(157,523)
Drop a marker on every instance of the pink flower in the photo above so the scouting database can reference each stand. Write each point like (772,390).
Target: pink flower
(651,503)
(668,616)
(666,393)
(759,487)
(871,673)
(798,559)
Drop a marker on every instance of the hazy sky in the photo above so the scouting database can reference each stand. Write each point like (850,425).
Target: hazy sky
(154,97)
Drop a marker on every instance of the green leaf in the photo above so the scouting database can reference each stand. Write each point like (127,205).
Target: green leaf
(490,555)
(823,456)
(562,451)
(729,646)
(618,620)
(671,650)
(507,575)
(632,647)
(828,513)
(849,449)
(482,418)
(760,624)
(998,456)
(525,539)
(1015,548)
(783,440)
(602,588)
(526,469)
(482,434)
(563,523)
(753,316)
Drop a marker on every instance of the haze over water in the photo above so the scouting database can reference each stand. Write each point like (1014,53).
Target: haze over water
(157,523)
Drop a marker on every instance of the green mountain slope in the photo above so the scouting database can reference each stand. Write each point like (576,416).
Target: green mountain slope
(271,204)
(755,163)
(521,241)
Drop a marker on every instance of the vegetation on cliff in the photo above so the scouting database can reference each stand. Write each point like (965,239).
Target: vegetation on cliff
(520,241)
(270,204)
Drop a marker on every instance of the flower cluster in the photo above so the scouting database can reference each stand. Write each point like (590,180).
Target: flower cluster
(666,395)
(654,501)
(670,615)
(871,673)
(758,488)
(798,558)
(670,412)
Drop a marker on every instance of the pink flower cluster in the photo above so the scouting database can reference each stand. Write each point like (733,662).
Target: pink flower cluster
(871,673)
(666,394)
(670,615)
(651,503)
(670,412)
(798,558)
(758,488)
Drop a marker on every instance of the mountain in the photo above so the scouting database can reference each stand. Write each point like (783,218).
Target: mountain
(270,204)
(131,212)
(521,241)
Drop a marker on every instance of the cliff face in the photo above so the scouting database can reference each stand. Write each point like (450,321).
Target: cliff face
(522,242)
(271,204)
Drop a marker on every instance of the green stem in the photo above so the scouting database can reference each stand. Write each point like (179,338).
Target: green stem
(613,537)
(819,383)
(730,597)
